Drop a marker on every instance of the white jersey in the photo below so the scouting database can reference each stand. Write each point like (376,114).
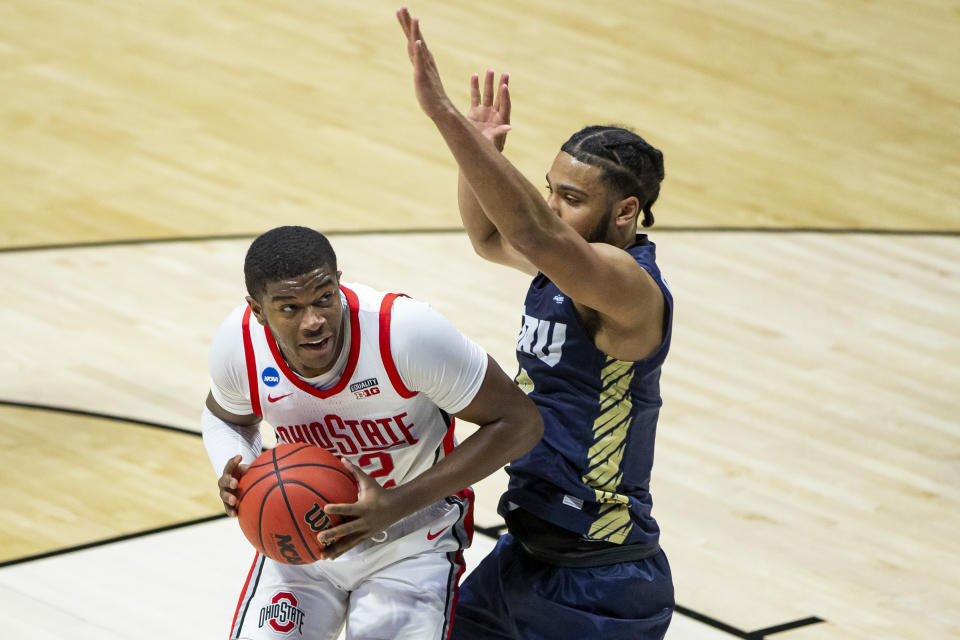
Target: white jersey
(385,405)
(404,371)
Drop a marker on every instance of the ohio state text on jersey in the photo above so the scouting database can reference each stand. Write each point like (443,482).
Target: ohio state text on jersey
(368,415)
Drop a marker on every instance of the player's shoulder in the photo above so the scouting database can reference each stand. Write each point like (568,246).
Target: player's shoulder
(362,296)
(226,350)
(230,329)
(632,260)
(410,319)
(643,250)
(234,319)
(370,299)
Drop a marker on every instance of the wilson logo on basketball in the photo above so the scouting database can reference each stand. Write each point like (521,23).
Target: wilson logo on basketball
(282,614)
(316,518)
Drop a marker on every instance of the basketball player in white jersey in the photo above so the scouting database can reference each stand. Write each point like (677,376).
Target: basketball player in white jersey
(375,379)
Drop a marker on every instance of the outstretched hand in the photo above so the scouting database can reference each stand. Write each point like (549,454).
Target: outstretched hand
(426,78)
(374,511)
(228,483)
(489,114)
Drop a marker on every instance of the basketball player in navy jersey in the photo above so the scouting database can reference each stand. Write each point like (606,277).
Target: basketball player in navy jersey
(581,558)
(374,378)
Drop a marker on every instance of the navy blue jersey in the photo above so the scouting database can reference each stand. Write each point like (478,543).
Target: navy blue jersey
(591,471)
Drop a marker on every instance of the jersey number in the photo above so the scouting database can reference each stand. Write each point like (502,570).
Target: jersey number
(384,468)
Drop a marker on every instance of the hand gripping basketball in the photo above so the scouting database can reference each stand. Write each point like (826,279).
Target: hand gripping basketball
(281,500)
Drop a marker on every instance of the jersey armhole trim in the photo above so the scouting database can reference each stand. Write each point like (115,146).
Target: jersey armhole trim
(251,360)
(448,437)
(386,306)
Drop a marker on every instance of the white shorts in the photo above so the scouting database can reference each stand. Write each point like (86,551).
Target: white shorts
(403,586)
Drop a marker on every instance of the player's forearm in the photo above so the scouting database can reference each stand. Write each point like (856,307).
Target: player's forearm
(487,450)
(479,229)
(506,198)
(223,440)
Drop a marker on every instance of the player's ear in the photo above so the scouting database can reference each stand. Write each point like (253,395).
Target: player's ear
(627,210)
(257,309)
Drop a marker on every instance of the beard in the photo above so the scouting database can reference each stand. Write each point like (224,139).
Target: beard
(600,232)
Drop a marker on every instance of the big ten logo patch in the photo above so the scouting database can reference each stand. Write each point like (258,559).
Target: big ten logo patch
(270,377)
(365,388)
(316,519)
(282,614)
(542,338)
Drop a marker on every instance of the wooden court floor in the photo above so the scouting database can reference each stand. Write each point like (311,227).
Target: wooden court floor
(808,465)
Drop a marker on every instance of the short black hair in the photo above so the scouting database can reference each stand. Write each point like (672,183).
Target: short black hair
(630,165)
(285,252)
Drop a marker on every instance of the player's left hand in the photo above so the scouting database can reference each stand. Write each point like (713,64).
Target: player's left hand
(489,114)
(374,511)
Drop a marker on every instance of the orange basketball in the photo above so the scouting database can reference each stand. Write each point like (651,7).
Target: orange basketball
(281,500)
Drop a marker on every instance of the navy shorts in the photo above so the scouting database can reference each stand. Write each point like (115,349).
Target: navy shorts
(513,595)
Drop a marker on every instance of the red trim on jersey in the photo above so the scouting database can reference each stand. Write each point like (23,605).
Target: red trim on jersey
(386,306)
(243,592)
(251,364)
(459,561)
(354,304)
(448,438)
(467,495)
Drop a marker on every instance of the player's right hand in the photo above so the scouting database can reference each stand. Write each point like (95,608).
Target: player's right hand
(228,483)
(489,114)
(426,78)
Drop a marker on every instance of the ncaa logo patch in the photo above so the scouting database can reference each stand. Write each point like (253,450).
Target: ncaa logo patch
(283,614)
(270,377)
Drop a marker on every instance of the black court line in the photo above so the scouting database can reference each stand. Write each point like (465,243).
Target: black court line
(362,232)
(93,244)
(787,626)
(759,634)
(106,541)
(712,622)
(492,532)
(95,414)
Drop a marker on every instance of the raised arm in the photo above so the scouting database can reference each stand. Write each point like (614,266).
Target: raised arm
(598,276)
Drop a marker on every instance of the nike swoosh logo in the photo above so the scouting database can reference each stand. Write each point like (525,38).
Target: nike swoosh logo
(431,535)
(272,399)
